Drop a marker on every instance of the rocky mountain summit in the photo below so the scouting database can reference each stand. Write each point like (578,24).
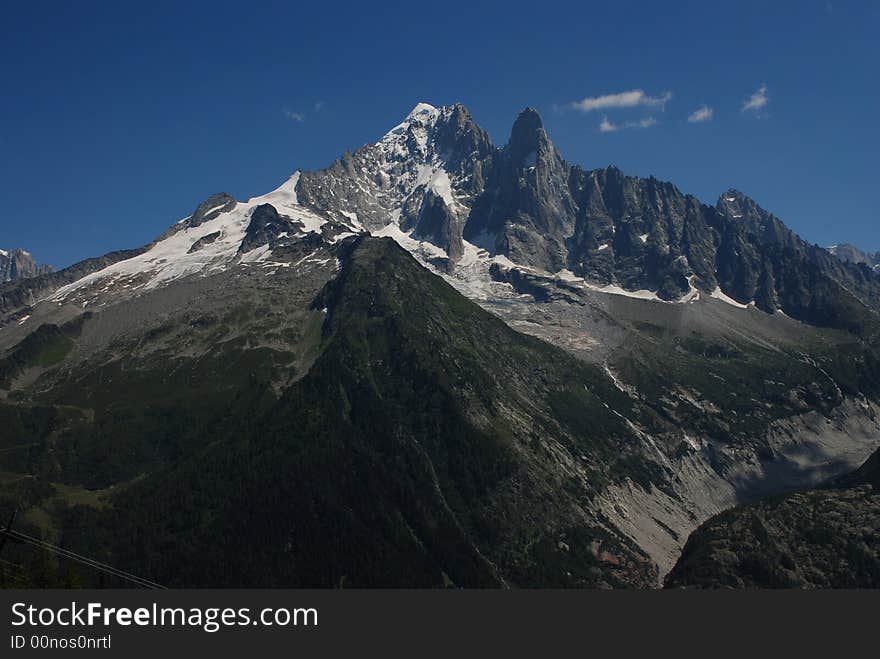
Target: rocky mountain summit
(479,365)
(18,264)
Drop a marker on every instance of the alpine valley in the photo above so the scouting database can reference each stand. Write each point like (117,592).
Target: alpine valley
(440,363)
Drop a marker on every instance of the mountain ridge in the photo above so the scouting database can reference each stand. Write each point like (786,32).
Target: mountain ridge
(437,185)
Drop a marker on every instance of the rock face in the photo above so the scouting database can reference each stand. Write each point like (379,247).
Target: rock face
(762,260)
(437,151)
(640,233)
(19,264)
(266,226)
(439,224)
(211,208)
(825,538)
(526,210)
(204,241)
(852,254)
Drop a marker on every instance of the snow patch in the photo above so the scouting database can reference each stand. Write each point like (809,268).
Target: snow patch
(568,275)
(216,208)
(256,255)
(442,187)
(505,262)
(421,117)
(353,218)
(693,294)
(614,289)
(611,374)
(410,244)
(718,294)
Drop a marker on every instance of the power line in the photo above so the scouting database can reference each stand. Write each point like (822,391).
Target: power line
(85,560)
(66,553)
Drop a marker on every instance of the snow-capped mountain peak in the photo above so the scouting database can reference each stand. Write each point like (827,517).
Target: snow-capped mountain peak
(433,150)
(423,116)
(207,241)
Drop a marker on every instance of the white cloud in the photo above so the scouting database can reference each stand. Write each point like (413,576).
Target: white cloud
(606,126)
(703,113)
(294,116)
(630,99)
(319,105)
(757,100)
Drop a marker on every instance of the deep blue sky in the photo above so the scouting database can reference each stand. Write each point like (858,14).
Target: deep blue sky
(118,118)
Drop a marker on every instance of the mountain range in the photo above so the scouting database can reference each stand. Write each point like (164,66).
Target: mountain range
(435,362)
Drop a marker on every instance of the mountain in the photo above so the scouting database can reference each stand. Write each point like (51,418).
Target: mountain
(823,538)
(436,361)
(388,413)
(19,264)
(852,254)
(437,178)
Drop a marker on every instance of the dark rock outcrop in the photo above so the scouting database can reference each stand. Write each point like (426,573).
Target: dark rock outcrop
(203,242)
(211,208)
(267,227)
(526,204)
(439,224)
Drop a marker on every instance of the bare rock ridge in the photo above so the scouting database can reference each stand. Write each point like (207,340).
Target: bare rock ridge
(18,264)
